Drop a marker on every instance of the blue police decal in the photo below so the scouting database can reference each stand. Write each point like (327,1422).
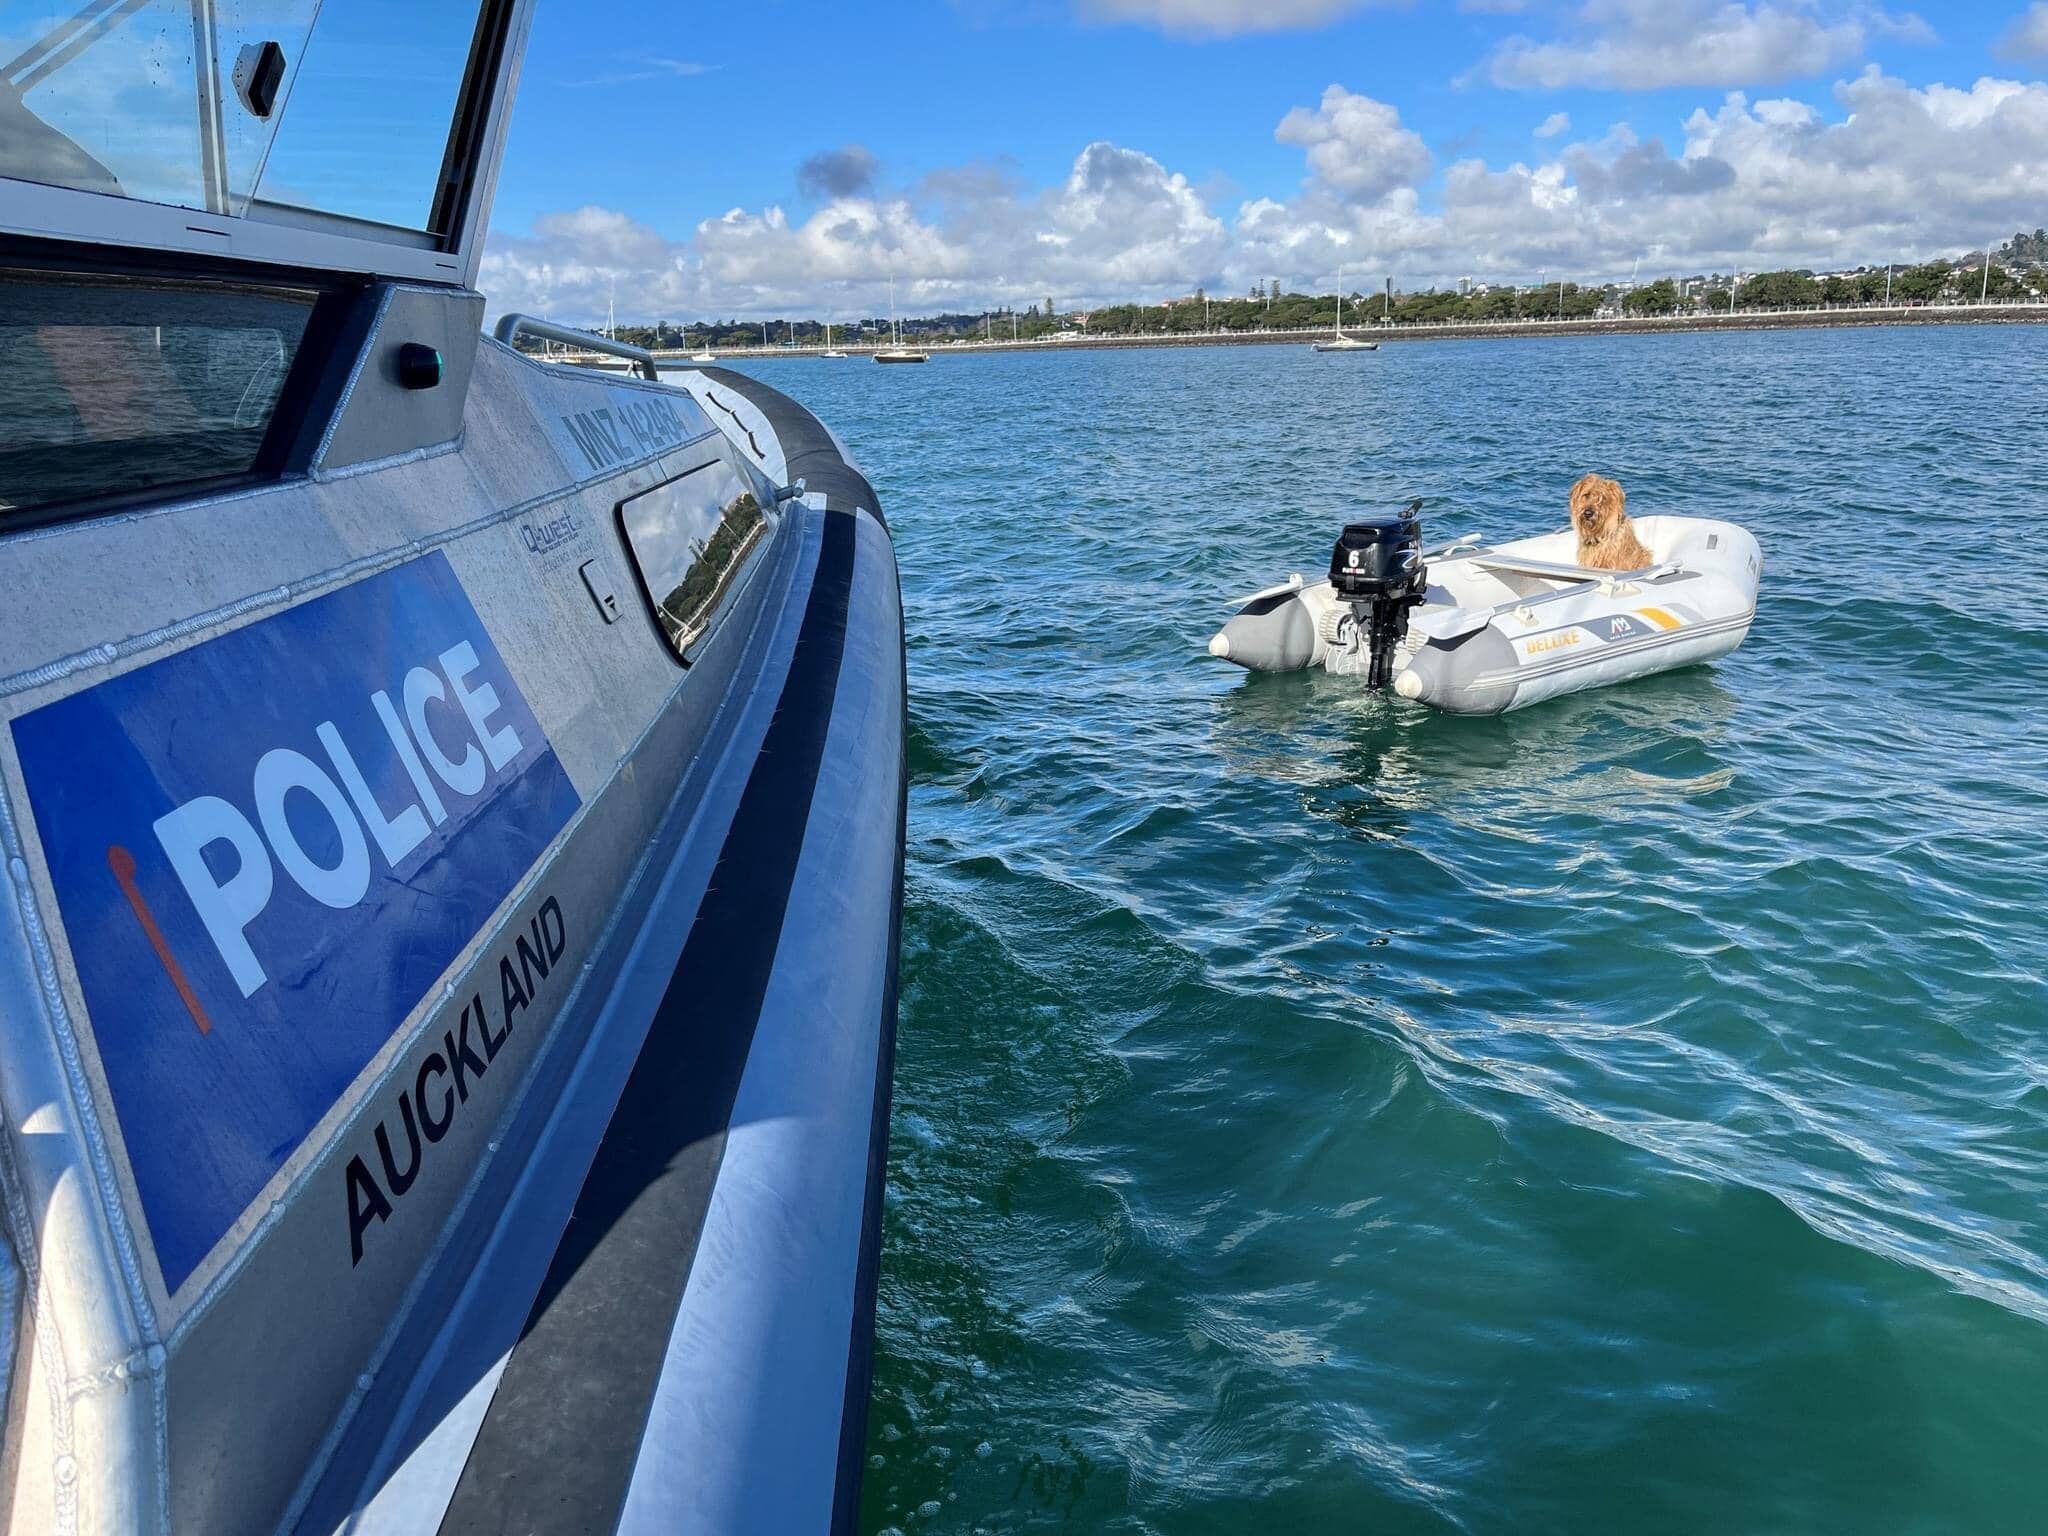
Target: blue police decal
(267,849)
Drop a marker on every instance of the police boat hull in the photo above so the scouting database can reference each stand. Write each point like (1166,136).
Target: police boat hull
(503,1150)
(452,813)
(1506,626)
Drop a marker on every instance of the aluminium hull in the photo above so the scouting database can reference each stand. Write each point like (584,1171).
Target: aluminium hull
(539,1186)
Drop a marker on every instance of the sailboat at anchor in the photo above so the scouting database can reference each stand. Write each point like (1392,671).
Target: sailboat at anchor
(1338,341)
(896,352)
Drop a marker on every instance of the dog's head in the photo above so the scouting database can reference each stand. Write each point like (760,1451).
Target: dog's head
(1599,508)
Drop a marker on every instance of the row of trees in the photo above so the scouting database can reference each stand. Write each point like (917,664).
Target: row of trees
(1927,283)
(1271,309)
(1277,311)
(725,335)
(2026,250)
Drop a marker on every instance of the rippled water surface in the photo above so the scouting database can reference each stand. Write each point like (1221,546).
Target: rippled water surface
(1314,1113)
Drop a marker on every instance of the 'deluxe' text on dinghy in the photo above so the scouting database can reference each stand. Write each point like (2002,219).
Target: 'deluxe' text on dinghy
(452,814)
(1479,630)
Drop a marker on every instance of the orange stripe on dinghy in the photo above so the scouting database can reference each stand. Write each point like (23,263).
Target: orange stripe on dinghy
(1660,618)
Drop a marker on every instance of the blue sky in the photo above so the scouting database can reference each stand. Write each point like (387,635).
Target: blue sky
(667,162)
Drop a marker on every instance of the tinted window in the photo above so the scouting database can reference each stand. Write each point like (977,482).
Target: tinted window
(689,540)
(110,387)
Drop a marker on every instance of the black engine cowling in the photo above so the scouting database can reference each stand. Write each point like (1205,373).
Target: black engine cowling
(1379,557)
(1377,568)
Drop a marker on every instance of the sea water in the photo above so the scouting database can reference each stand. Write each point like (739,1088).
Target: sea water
(1314,1113)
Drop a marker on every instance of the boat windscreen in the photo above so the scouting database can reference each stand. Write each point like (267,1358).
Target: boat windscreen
(164,101)
(372,110)
(217,104)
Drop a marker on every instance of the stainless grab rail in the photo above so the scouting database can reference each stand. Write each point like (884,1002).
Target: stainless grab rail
(510,327)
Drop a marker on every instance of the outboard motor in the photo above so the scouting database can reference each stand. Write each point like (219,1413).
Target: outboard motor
(1378,571)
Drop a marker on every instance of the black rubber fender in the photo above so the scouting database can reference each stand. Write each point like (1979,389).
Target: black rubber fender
(810,450)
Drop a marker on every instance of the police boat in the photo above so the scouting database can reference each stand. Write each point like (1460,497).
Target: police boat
(1476,629)
(452,813)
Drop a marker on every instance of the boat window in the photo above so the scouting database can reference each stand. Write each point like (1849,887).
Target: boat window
(109,388)
(144,99)
(689,541)
(344,109)
(372,111)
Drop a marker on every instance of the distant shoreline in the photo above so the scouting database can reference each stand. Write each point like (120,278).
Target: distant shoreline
(1787,320)
(2035,313)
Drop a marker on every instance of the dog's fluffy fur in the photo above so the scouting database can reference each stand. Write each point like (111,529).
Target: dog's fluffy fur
(1607,539)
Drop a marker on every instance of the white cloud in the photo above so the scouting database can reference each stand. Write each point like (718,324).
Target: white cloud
(1886,171)
(1356,145)
(651,69)
(968,238)
(2027,37)
(1223,18)
(1897,172)
(1653,44)
(1553,125)
(1905,27)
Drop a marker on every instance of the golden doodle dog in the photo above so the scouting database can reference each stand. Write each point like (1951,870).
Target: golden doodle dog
(1607,539)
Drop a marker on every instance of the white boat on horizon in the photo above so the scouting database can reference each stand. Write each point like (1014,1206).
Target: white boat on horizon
(1339,342)
(896,352)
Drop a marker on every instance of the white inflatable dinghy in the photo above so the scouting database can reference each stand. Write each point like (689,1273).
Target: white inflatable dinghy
(1480,630)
